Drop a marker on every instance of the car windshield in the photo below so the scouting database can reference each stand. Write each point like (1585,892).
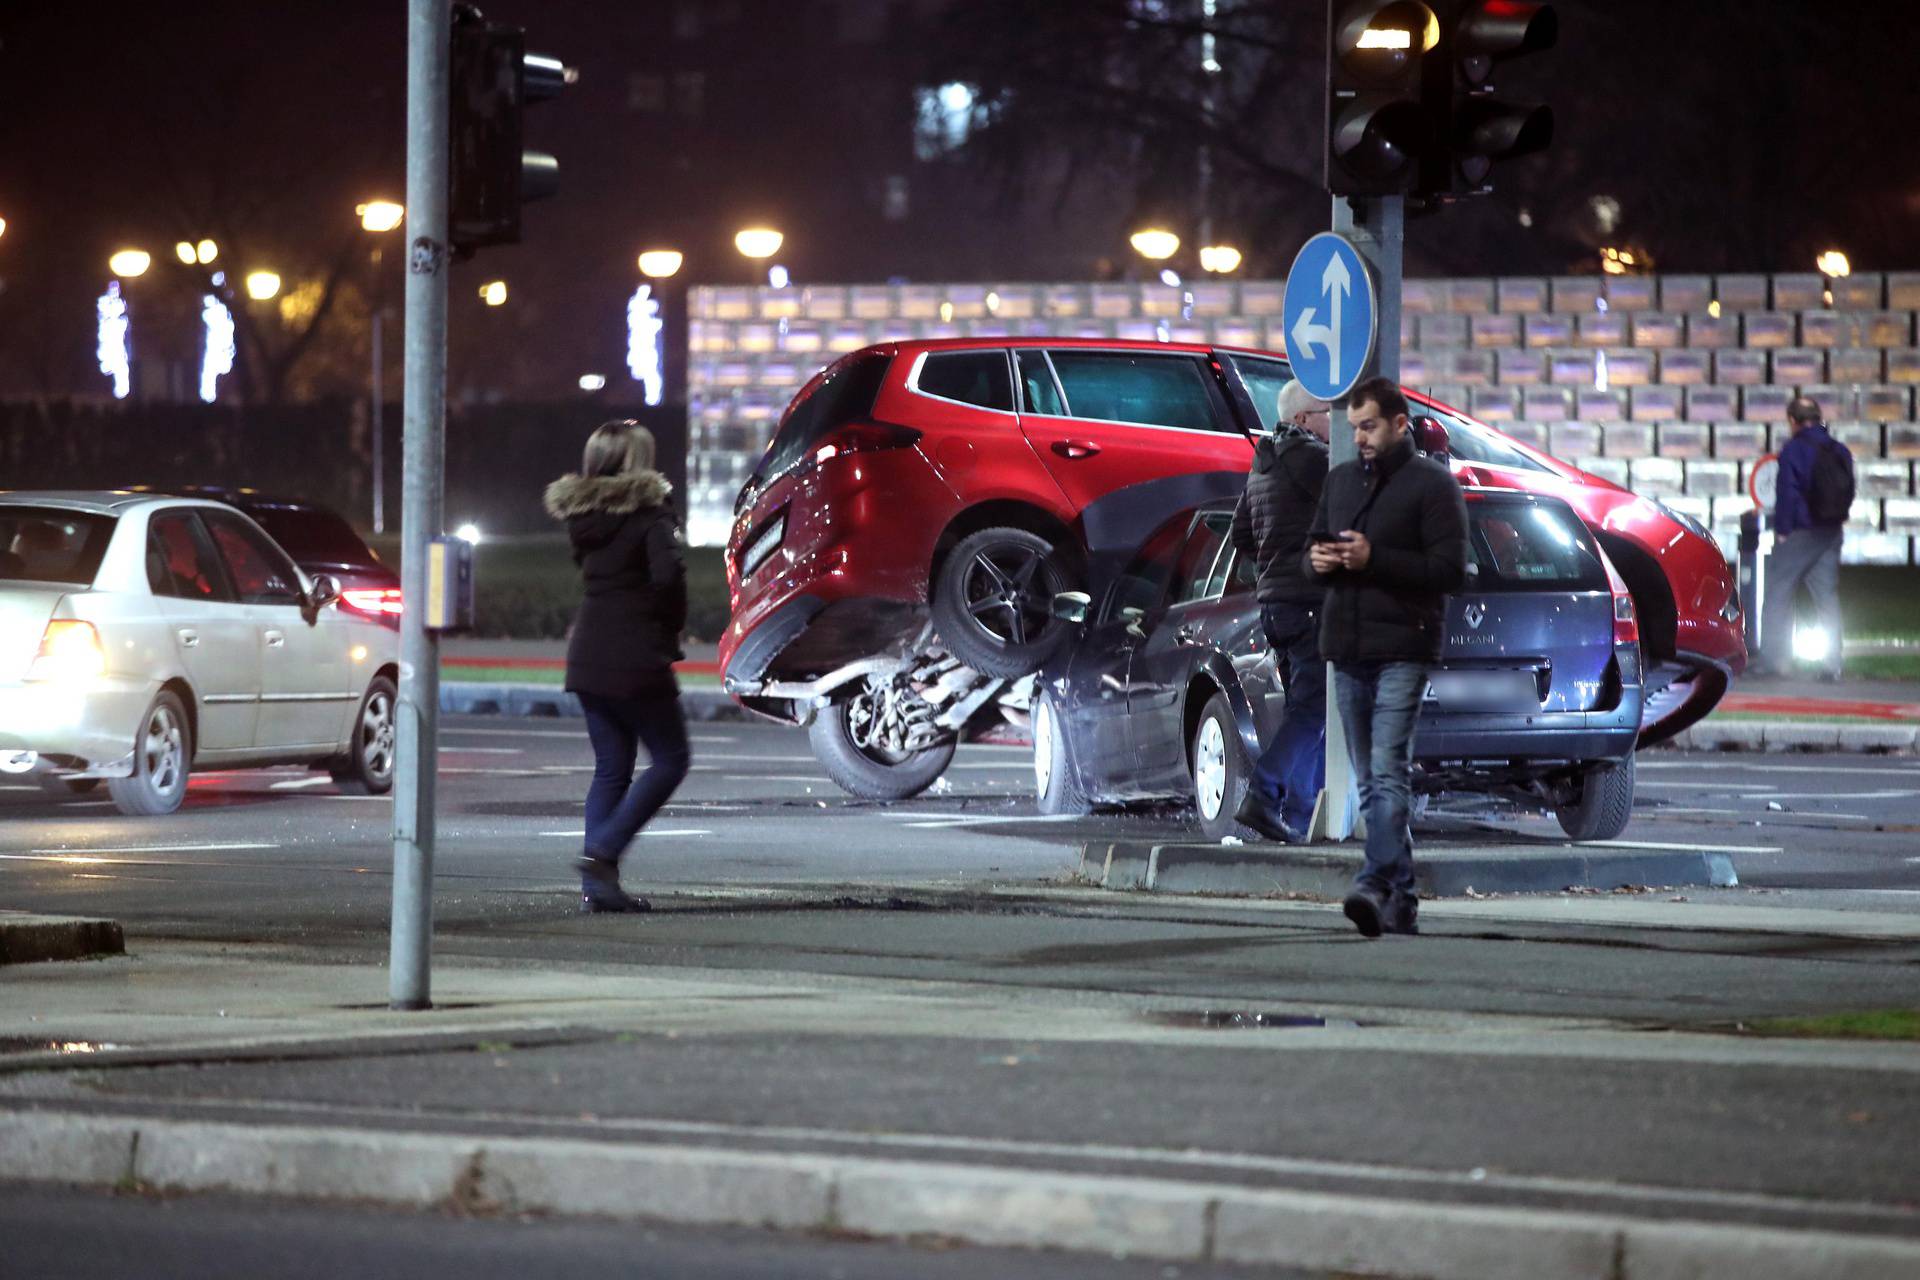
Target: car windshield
(46,544)
(1471,442)
(1531,546)
(846,394)
(311,535)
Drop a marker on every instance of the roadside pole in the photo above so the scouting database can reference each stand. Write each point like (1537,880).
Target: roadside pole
(1376,226)
(410,958)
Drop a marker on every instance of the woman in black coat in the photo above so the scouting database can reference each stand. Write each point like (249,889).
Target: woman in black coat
(625,641)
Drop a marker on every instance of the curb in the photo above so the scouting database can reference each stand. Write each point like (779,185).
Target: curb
(25,938)
(1796,735)
(1089,1213)
(460,697)
(1265,869)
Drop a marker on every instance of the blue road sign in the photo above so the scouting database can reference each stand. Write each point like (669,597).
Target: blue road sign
(1330,315)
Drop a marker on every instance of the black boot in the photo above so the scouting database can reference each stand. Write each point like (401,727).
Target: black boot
(1366,906)
(600,888)
(1402,915)
(1254,812)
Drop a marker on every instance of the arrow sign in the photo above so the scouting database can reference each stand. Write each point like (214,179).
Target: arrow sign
(1329,277)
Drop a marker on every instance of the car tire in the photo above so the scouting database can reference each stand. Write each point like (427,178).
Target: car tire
(367,768)
(1056,785)
(1604,805)
(1218,765)
(872,772)
(993,601)
(162,759)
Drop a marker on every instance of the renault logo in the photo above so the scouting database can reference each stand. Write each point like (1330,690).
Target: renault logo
(1476,614)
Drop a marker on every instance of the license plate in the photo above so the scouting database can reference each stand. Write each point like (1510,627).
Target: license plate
(1483,691)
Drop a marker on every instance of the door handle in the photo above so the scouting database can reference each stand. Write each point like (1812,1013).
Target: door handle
(275,639)
(1185,633)
(189,639)
(1075,448)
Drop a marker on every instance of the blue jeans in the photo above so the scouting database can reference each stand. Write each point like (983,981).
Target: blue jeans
(1293,768)
(1379,706)
(619,804)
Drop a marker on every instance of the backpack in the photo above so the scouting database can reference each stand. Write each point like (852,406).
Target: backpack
(1830,490)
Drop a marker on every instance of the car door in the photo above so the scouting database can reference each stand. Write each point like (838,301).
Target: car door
(303,665)
(1176,644)
(213,634)
(1131,437)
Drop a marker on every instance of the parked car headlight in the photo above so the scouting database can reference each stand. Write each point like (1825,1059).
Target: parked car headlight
(1692,524)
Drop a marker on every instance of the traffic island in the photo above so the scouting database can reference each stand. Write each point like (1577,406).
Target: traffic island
(25,938)
(1327,871)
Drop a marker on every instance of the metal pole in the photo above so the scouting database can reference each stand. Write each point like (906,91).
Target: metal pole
(423,435)
(1377,228)
(378,414)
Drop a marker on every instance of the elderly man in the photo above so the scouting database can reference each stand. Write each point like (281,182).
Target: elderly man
(1270,525)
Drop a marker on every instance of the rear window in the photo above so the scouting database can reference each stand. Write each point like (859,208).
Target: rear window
(1527,546)
(313,536)
(845,395)
(971,377)
(46,544)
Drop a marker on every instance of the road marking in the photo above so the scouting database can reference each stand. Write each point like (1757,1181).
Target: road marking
(774,777)
(139,848)
(1748,813)
(1721,766)
(1827,795)
(1699,786)
(1670,844)
(575,835)
(485,751)
(983,818)
(297,784)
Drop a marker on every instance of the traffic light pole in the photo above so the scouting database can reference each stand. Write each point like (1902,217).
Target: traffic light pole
(1376,226)
(410,955)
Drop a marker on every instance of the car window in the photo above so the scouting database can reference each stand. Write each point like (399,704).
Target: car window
(971,377)
(845,395)
(311,534)
(1471,443)
(1263,378)
(46,544)
(181,561)
(1153,390)
(1039,392)
(1246,575)
(1144,583)
(1194,579)
(261,571)
(1531,546)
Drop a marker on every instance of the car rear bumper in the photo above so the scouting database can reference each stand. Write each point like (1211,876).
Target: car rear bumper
(1547,737)
(79,733)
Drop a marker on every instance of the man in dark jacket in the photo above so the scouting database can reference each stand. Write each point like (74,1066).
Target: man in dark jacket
(1390,541)
(1270,525)
(1808,521)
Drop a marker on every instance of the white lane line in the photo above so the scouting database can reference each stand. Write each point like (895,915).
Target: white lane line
(300,784)
(1011,817)
(1721,766)
(484,751)
(575,835)
(136,848)
(1748,813)
(1700,786)
(775,777)
(1671,844)
(578,735)
(1827,795)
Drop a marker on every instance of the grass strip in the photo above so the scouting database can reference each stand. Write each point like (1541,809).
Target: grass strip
(1865,1024)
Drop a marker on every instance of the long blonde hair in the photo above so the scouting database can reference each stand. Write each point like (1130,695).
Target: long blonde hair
(616,448)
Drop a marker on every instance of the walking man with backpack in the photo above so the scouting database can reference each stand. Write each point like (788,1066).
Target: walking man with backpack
(1812,495)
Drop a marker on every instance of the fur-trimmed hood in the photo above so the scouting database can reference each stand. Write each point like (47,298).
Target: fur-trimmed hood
(578,495)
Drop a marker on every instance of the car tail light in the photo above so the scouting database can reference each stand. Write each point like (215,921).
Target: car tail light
(69,651)
(864,437)
(1626,623)
(373,602)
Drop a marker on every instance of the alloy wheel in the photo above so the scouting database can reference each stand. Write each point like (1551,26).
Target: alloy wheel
(1042,747)
(377,735)
(163,750)
(1009,592)
(1210,769)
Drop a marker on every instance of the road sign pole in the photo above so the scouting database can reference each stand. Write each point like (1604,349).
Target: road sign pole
(1376,226)
(410,957)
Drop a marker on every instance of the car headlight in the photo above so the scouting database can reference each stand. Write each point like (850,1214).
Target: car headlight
(1691,524)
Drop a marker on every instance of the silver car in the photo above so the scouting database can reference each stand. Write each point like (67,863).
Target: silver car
(142,637)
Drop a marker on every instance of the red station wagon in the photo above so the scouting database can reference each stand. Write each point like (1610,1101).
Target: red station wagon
(895,556)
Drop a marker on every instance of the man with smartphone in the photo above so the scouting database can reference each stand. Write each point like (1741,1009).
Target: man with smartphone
(1389,542)
(1270,527)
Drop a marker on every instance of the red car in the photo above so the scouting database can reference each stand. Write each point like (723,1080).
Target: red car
(895,556)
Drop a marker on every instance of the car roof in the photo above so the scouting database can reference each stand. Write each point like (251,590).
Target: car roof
(98,501)
(237,496)
(910,346)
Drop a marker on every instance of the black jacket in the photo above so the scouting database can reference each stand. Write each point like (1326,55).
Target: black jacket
(1275,513)
(1411,509)
(626,541)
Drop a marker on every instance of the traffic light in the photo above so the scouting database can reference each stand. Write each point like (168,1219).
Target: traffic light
(493,80)
(1381,133)
(1477,128)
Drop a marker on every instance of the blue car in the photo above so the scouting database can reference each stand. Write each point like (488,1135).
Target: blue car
(1169,690)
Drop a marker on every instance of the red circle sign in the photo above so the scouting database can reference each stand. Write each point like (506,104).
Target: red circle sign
(1761,479)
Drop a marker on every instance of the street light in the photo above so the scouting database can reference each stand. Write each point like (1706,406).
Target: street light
(1155,243)
(658,264)
(494,293)
(1220,259)
(3,226)
(1833,265)
(205,252)
(380,215)
(262,285)
(129,263)
(758,242)
(184,252)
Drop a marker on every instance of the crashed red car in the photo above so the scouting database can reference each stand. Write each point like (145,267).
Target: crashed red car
(895,555)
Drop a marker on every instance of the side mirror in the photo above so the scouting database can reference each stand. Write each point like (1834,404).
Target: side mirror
(1072,606)
(1430,437)
(1131,616)
(324,591)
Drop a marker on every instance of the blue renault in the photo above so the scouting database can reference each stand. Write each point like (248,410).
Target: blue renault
(1169,690)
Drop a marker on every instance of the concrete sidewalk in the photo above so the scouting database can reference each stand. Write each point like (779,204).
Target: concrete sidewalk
(1043,1117)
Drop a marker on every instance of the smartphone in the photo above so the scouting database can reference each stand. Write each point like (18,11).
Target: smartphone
(1321,535)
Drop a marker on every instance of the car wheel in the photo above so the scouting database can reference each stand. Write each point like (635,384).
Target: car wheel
(367,768)
(1219,769)
(1056,787)
(162,758)
(993,601)
(1604,804)
(871,743)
